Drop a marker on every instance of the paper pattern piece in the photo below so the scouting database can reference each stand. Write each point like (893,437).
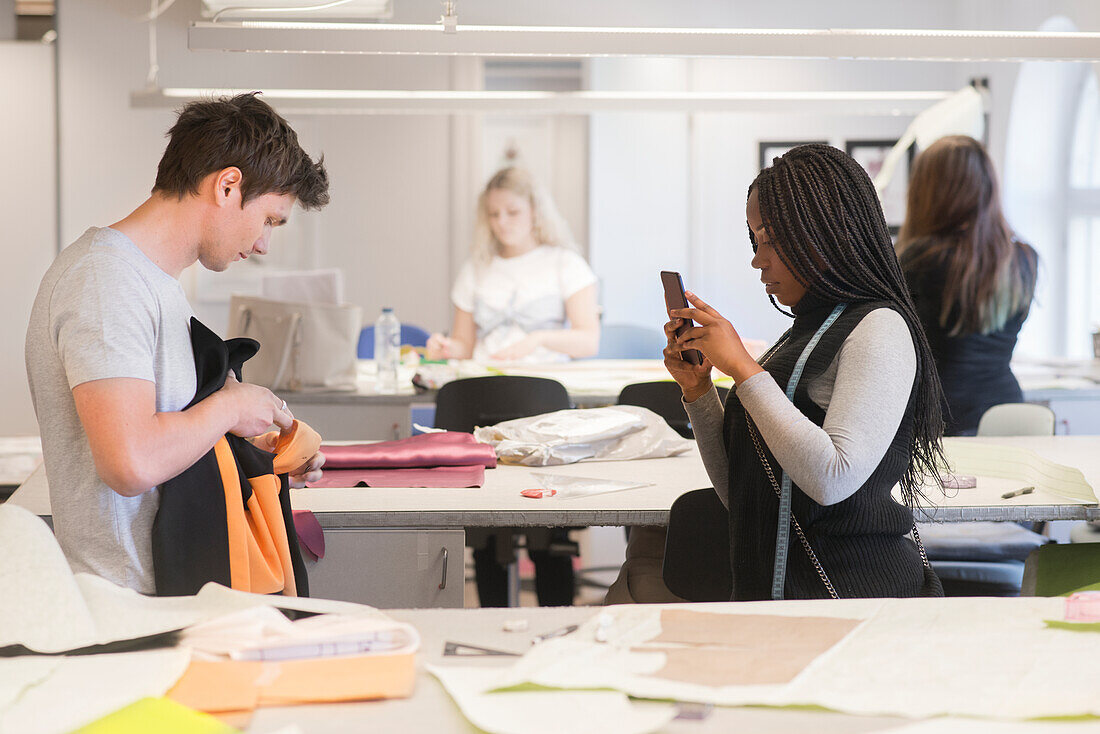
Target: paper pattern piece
(157,714)
(743,649)
(955,725)
(525,712)
(46,607)
(1000,469)
(976,657)
(82,689)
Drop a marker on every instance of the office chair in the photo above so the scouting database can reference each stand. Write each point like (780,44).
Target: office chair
(1017,419)
(626,341)
(411,335)
(697,548)
(665,399)
(988,558)
(462,405)
(1057,570)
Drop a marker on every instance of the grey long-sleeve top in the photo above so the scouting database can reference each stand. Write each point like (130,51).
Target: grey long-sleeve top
(864,393)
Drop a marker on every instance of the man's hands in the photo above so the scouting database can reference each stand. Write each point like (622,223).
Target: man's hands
(255,408)
(304,474)
(715,338)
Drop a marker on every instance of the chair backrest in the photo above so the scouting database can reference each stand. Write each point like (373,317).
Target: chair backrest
(462,405)
(697,548)
(1056,570)
(1017,419)
(626,341)
(664,398)
(414,336)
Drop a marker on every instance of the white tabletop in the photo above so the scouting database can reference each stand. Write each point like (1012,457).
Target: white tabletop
(431,709)
(499,503)
(599,381)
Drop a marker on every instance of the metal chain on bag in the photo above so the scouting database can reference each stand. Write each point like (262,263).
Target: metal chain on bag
(794,521)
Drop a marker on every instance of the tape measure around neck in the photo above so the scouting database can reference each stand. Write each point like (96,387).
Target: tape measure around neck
(783,526)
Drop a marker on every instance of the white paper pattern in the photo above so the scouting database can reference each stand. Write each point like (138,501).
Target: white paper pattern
(977,657)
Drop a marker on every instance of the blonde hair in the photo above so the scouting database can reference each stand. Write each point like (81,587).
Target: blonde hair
(547,224)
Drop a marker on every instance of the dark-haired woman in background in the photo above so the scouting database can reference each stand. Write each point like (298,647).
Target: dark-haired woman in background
(865,412)
(971,279)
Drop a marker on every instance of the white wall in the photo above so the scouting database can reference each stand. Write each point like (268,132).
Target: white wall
(665,190)
(668,190)
(7,20)
(28,209)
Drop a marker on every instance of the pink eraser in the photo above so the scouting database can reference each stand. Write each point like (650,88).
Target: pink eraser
(958,481)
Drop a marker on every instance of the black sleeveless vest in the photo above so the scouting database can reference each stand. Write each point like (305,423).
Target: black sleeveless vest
(862,541)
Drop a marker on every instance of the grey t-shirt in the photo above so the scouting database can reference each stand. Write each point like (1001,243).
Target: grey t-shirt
(104,310)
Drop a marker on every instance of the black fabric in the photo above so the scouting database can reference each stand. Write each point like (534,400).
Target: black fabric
(190,539)
(973,368)
(862,541)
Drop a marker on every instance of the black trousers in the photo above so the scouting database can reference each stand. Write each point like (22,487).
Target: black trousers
(554,577)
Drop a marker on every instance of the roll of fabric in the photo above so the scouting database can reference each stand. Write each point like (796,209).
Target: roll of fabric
(417,452)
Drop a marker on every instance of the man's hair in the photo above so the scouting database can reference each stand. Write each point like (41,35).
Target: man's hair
(242,131)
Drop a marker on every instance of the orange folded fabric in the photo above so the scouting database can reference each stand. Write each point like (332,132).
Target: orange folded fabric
(232,686)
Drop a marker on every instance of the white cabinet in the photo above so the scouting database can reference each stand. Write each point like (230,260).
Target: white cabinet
(398,568)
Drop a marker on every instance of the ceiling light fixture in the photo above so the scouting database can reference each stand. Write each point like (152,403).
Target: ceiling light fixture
(353,101)
(551,41)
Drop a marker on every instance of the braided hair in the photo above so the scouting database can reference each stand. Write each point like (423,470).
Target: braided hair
(821,209)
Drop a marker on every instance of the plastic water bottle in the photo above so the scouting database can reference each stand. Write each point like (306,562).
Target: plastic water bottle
(387,350)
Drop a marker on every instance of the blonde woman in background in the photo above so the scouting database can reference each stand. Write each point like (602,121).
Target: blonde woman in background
(525,294)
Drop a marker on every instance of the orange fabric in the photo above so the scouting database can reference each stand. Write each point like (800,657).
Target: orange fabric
(271,544)
(295,446)
(235,685)
(259,551)
(235,522)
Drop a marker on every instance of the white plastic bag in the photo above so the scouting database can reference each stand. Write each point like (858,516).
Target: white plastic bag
(615,433)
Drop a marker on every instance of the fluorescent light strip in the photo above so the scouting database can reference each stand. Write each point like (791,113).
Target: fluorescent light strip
(554,41)
(370,101)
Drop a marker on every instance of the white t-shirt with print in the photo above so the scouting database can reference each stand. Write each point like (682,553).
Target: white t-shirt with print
(511,297)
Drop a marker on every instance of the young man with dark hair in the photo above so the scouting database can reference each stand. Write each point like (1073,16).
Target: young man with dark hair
(108,349)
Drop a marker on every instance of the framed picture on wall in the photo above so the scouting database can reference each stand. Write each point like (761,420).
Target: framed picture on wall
(770,151)
(871,154)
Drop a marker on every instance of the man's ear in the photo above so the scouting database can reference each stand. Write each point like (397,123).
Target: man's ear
(227,186)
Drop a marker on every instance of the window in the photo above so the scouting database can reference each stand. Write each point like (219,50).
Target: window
(1082,291)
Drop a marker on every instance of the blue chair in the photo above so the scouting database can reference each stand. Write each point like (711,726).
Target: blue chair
(412,335)
(626,341)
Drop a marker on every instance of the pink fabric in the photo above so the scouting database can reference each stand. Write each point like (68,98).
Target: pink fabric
(440,476)
(417,452)
(310,535)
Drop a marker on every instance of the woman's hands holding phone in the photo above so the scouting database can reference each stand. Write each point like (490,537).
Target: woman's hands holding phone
(693,379)
(718,341)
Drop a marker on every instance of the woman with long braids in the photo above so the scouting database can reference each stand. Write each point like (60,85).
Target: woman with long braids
(972,280)
(841,409)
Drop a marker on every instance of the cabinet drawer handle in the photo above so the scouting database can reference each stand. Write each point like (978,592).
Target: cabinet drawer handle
(443,581)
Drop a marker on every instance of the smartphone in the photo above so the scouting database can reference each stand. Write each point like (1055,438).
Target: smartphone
(674,298)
